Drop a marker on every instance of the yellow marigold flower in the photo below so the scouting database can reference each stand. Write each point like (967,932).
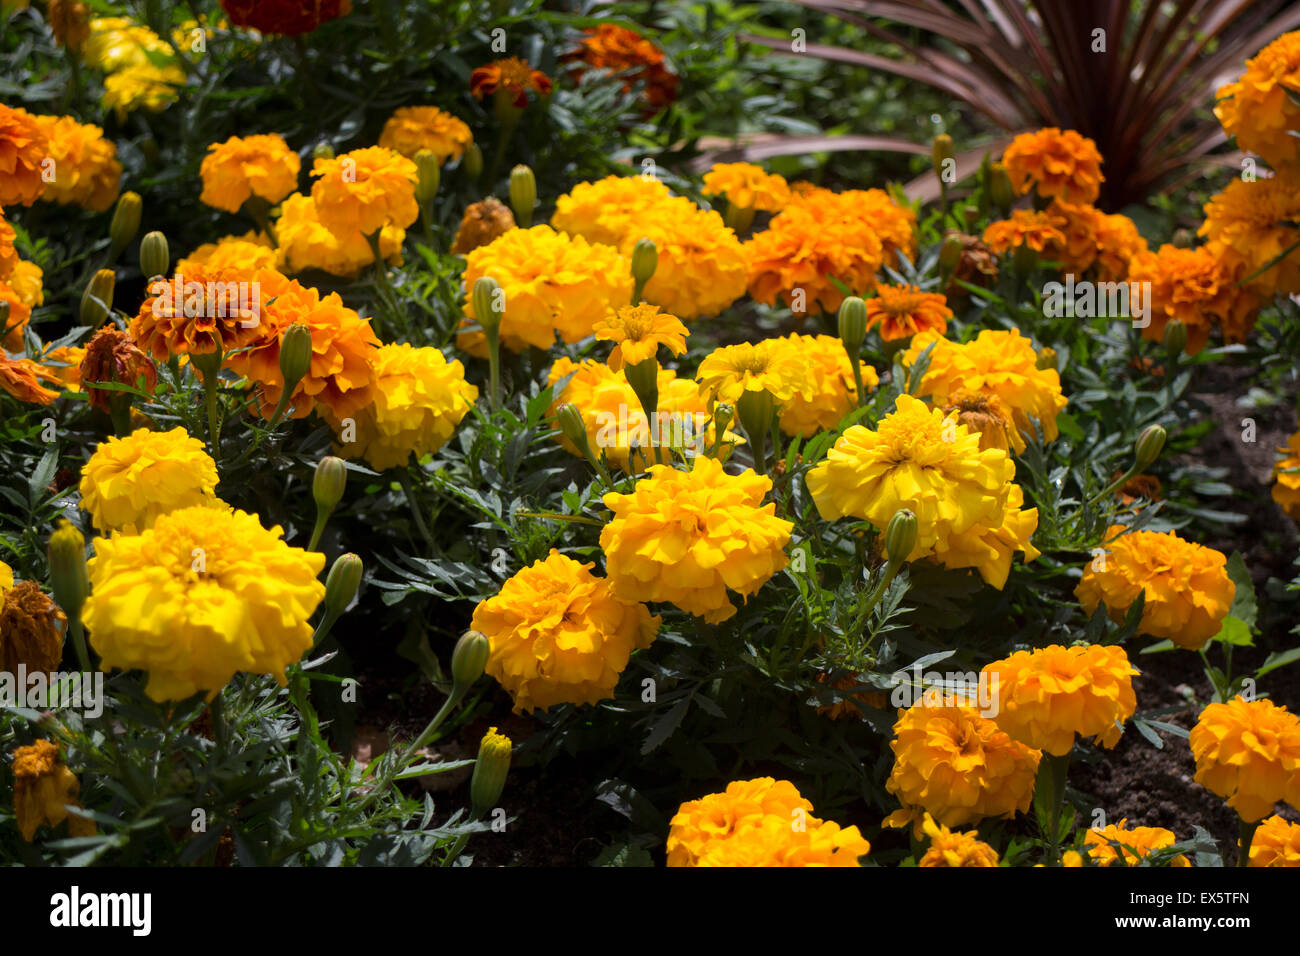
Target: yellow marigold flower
(483,222)
(560,635)
(553,283)
(609,210)
(1136,844)
(243,167)
(638,331)
(68,372)
(919,460)
(23,148)
(1055,163)
(31,627)
(989,548)
(365,190)
(251,252)
(44,788)
(118,42)
(8,254)
(1047,695)
(1248,752)
(6,581)
(86,169)
(747,186)
(20,313)
(729,371)
(685,537)
(199,312)
(955,849)
(204,593)
(341,377)
(848,236)
(419,399)
(146,86)
(413,128)
(1250,224)
(1188,591)
(1286,486)
(1197,287)
(1040,231)
(26,282)
(1001,365)
(1260,109)
(305,243)
(958,766)
(129,482)
(902,311)
(760,822)
(826,390)
(702,266)
(616,422)
(1276,843)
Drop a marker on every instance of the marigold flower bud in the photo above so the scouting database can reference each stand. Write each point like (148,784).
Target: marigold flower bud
(723,415)
(941,149)
(69,582)
(490,770)
(970,215)
(1000,189)
(1024,260)
(328,484)
(342,582)
(853,323)
(645,260)
(323,151)
(155,255)
(1046,358)
(950,252)
(125,223)
(1182,239)
(1149,445)
(523,194)
(1175,337)
(469,659)
(426,187)
(487,298)
(473,161)
(4,315)
(295,355)
(900,535)
(570,421)
(97,299)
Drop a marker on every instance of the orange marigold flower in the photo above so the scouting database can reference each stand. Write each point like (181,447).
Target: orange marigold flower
(22,378)
(1095,241)
(1138,487)
(86,169)
(250,252)
(510,78)
(483,222)
(638,331)
(365,190)
(1134,844)
(288,18)
(413,128)
(1199,289)
(44,788)
(304,243)
(1055,163)
(958,766)
(1048,695)
(1248,752)
(1261,108)
(1276,843)
(8,254)
(1286,477)
(955,849)
(1188,591)
(747,186)
(1250,224)
(200,312)
(23,150)
(902,311)
(620,50)
(69,22)
(1040,231)
(20,313)
(243,167)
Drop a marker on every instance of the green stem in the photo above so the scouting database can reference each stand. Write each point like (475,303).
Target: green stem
(493,335)
(1057,771)
(395,766)
(214,418)
(78,634)
(1246,833)
(404,479)
(322,519)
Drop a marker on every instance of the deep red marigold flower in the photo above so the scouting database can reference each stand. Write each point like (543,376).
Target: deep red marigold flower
(288,18)
(511,76)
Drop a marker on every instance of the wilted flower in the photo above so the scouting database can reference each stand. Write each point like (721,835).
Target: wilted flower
(44,788)
(113,356)
(22,379)
(620,50)
(31,629)
(483,222)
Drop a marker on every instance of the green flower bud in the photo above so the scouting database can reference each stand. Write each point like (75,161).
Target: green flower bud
(1182,239)
(489,303)
(125,223)
(900,535)
(97,299)
(473,161)
(4,316)
(1024,260)
(426,161)
(569,418)
(950,252)
(645,260)
(68,579)
(523,195)
(853,324)
(1175,337)
(1046,358)
(469,659)
(970,215)
(490,770)
(723,415)
(155,255)
(941,149)
(1149,445)
(1000,190)
(342,582)
(323,151)
(329,482)
(295,355)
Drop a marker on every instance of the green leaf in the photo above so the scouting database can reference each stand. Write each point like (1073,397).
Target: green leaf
(1244,606)
(1278,659)
(1235,632)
